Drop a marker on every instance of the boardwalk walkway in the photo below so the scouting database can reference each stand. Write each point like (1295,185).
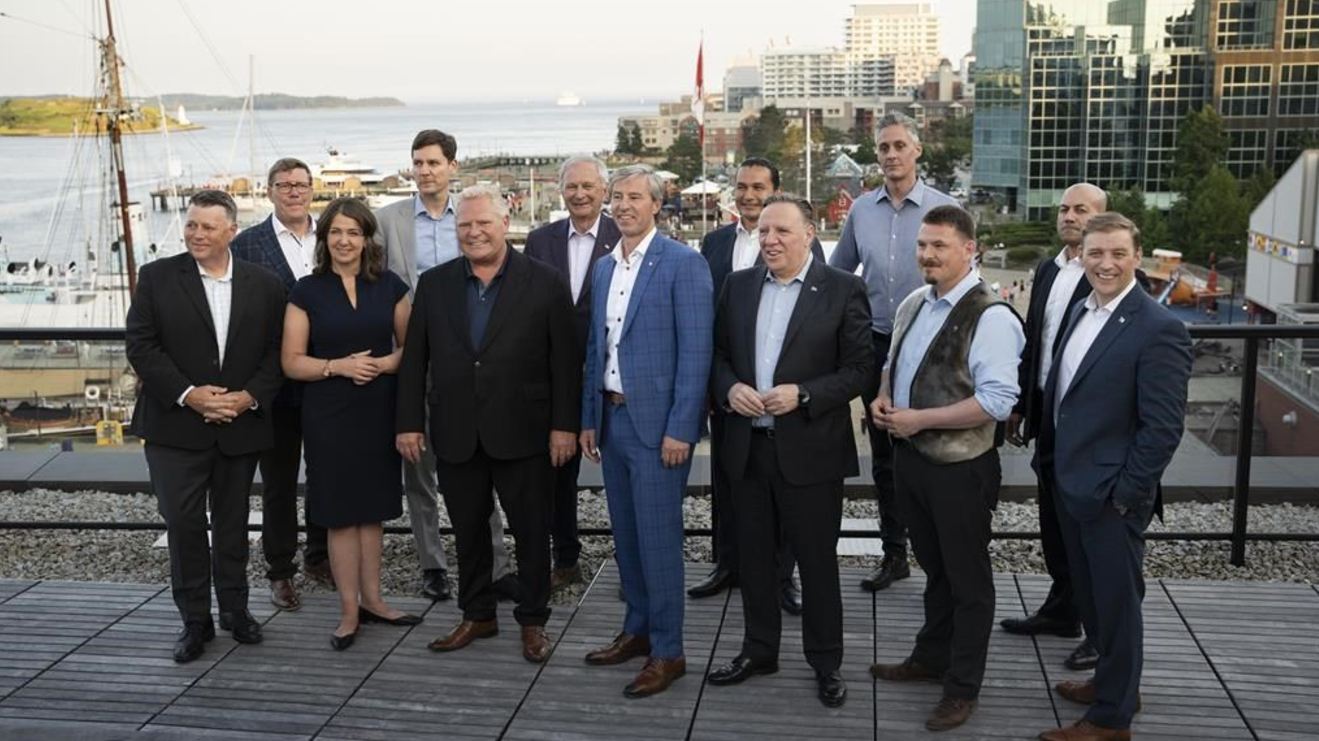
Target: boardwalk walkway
(91,661)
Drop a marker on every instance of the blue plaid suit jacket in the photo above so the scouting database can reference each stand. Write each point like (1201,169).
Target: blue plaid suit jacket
(667,345)
(258,244)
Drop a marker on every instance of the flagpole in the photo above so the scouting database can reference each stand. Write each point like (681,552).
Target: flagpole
(700,121)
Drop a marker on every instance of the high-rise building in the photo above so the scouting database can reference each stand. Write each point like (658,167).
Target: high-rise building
(823,73)
(741,81)
(1090,90)
(908,32)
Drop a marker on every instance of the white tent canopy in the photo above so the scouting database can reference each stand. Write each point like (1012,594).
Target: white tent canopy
(703,187)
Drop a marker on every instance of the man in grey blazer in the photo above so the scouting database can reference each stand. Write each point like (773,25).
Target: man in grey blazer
(419,234)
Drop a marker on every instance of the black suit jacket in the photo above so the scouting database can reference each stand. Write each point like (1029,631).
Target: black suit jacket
(524,380)
(549,244)
(717,248)
(171,344)
(827,348)
(1030,401)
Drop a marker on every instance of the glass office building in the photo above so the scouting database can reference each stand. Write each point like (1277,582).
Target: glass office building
(1095,90)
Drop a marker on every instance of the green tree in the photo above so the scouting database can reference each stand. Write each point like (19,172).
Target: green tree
(623,140)
(1216,216)
(1201,144)
(1257,187)
(865,147)
(762,136)
(1130,203)
(683,157)
(947,149)
(635,143)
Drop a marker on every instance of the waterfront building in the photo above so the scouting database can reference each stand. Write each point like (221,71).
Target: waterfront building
(741,81)
(906,32)
(824,72)
(1081,90)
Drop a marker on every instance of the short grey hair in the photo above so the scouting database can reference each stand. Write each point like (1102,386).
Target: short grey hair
(473,192)
(898,118)
(653,180)
(216,198)
(601,168)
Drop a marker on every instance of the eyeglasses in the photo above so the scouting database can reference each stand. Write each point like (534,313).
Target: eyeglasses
(290,187)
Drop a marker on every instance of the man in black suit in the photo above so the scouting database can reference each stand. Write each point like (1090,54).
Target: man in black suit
(284,243)
(203,336)
(792,349)
(494,330)
(572,246)
(732,247)
(1059,283)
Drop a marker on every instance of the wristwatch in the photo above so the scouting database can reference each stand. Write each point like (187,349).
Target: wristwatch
(803,395)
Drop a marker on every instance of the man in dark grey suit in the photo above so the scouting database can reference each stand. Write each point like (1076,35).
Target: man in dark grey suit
(419,234)
(203,336)
(571,246)
(284,244)
(1113,415)
(792,349)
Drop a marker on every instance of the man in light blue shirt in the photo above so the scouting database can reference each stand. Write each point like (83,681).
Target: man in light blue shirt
(951,377)
(880,237)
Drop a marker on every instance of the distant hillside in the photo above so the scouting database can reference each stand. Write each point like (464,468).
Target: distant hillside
(61,116)
(276,102)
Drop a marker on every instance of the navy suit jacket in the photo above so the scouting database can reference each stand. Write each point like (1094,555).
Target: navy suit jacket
(549,244)
(717,248)
(258,244)
(665,348)
(1122,417)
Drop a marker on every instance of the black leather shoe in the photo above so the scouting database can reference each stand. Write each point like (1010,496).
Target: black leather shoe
(1085,657)
(339,643)
(192,641)
(1037,624)
(718,580)
(366,616)
(833,691)
(508,588)
(435,585)
(243,627)
(740,670)
(893,568)
(790,597)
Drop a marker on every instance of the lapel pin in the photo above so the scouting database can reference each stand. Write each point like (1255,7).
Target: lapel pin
(1121,320)
(813,288)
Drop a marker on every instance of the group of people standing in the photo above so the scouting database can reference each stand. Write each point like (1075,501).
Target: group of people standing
(415,351)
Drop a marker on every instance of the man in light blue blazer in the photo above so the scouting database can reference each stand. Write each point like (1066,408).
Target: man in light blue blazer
(648,358)
(1113,414)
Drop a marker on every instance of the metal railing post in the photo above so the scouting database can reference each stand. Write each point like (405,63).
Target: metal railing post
(1245,438)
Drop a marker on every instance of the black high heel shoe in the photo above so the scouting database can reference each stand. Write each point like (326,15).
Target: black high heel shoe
(366,616)
(339,643)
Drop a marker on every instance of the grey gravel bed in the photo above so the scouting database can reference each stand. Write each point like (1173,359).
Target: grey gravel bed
(127,556)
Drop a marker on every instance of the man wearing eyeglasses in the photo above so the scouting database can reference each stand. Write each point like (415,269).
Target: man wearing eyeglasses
(284,244)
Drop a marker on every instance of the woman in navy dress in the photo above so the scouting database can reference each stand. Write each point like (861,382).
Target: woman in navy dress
(343,335)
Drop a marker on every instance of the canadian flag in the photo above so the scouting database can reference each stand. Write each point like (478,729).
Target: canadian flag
(698,100)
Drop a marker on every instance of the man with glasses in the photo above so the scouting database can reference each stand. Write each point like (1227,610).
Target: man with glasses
(284,244)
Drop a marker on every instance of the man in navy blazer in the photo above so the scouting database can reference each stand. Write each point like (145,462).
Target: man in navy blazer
(736,246)
(1113,415)
(572,246)
(647,363)
(285,244)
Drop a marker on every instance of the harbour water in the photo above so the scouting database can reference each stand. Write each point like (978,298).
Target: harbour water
(33,168)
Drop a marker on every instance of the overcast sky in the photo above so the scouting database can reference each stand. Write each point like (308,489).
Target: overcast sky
(415,50)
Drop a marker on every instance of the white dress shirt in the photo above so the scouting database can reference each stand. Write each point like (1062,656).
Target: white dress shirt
(1088,327)
(219,298)
(299,252)
(580,247)
(746,247)
(1069,275)
(620,294)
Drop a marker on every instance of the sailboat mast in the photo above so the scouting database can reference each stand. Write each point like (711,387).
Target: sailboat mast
(115,112)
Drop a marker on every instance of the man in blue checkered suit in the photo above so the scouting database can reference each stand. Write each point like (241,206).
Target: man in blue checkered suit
(648,359)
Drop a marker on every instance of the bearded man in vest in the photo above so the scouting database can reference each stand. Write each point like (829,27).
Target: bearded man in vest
(951,376)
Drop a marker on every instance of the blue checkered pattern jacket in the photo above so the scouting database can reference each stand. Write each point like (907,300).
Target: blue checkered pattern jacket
(258,244)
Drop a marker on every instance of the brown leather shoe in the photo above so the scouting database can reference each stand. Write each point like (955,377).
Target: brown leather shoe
(907,671)
(535,644)
(562,577)
(951,712)
(284,595)
(1082,692)
(463,635)
(655,677)
(624,647)
(1084,730)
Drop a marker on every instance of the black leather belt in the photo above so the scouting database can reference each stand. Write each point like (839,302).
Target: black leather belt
(763,431)
(617,400)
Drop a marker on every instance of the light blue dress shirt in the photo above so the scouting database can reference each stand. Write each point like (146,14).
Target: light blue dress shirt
(777,300)
(995,350)
(437,239)
(881,238)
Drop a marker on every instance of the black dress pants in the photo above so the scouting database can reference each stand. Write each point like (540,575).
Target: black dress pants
(947,511)
(1060,604)
(724,510)
(279,500)
(184,481)
(567,546)
(809,518)
(892,530)
(524,486)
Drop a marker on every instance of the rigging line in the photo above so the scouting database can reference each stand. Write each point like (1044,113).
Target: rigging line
(46,26)
(78,19)
(233,82)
